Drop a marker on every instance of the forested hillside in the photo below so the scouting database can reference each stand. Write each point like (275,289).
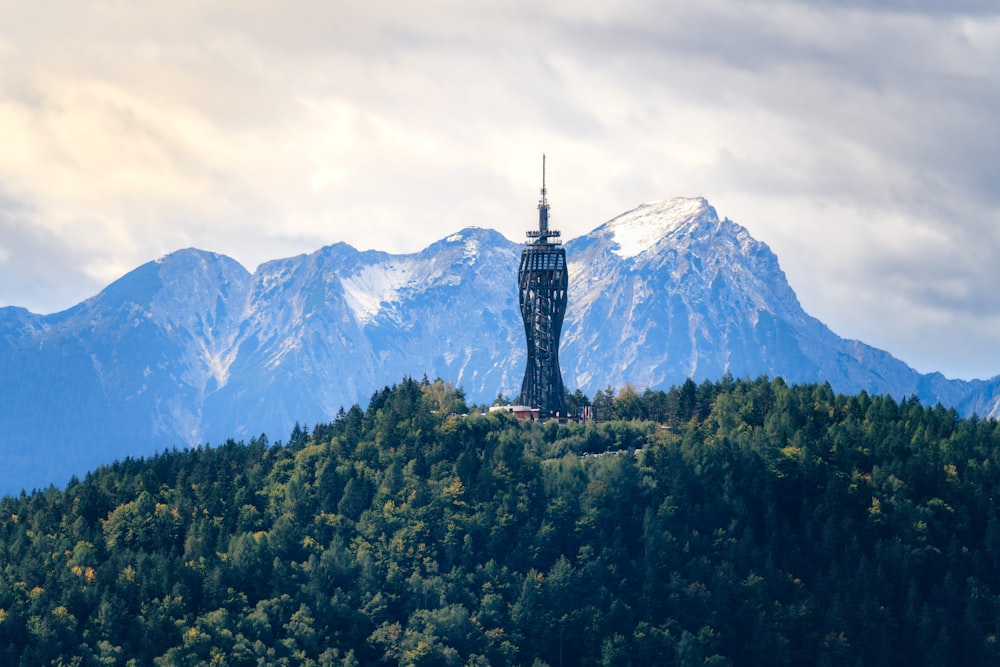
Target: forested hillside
(728,523)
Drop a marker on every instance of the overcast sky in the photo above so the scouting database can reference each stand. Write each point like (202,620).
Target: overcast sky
(858,139)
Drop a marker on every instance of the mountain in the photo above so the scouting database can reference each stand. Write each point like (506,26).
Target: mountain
(324,331)
(192,348)
(668,291)
(123,373)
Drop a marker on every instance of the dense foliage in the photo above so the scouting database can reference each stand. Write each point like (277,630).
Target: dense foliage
(741,522)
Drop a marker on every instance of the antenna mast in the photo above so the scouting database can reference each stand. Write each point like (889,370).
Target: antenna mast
(543,235)
(543,202)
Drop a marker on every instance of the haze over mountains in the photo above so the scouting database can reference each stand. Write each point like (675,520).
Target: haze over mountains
(192,348)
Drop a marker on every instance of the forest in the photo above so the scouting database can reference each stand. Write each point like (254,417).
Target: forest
(735,522)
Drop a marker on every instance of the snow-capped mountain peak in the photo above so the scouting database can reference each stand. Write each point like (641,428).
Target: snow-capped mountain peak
(643,227)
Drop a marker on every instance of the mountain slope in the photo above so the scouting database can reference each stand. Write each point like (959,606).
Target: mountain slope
(192,348)
(120,374)
(326,330)
(668,290)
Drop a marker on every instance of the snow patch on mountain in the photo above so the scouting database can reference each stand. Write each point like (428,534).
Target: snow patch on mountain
(643,227)
(471,251)
(285,348)
(470,244)
(375,285)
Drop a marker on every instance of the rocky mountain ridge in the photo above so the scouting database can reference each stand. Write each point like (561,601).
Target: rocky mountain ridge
(193,348)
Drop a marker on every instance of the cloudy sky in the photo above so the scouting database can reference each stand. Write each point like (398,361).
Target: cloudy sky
(858,139)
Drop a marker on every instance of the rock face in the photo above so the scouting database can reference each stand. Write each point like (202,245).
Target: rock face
(192,348)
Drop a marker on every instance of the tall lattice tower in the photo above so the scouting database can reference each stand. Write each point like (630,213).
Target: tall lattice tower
(542,284)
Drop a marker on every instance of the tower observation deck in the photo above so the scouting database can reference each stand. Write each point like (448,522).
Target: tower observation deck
(542,284)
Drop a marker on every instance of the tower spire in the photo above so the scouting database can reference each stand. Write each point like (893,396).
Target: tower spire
(543,209)
(543,235)
(543,202)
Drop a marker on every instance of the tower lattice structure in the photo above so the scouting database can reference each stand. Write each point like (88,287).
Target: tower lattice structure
(542,286)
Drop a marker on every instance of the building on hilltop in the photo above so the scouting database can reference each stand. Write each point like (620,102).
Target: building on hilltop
(519,411)
(542,285)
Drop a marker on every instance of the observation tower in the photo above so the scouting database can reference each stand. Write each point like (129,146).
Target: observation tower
(542,283)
